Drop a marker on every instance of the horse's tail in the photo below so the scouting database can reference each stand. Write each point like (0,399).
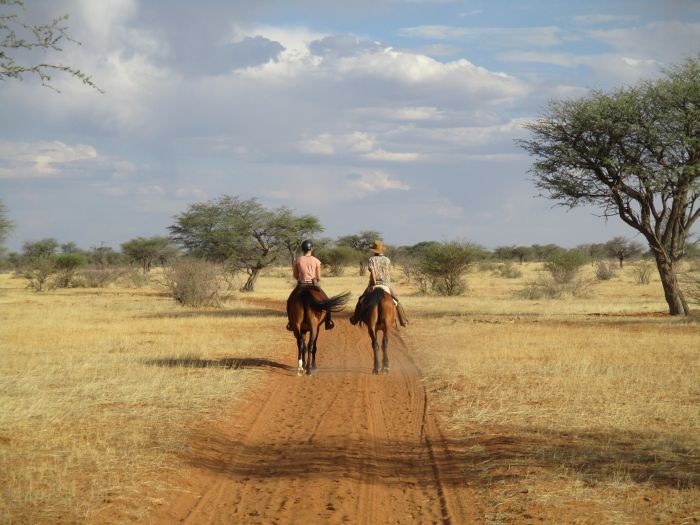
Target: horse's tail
(370,303)
(333,304)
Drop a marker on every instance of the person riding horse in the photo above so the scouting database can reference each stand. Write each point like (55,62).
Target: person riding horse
(307,272)
(379,275)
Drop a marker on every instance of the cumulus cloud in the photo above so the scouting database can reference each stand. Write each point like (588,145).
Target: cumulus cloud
(361,184)
(42,159)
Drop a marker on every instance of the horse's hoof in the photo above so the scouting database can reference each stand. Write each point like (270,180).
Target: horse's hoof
(375,372)
(308,372)
(385,369)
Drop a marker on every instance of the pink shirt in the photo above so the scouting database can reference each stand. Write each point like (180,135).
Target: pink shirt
(306,268)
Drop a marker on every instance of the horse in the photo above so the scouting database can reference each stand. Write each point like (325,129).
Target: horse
(307,308)
(378,313)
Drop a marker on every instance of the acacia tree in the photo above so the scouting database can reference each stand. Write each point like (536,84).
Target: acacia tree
(622,249)
(147,250)
(20,38)
(239,232)
(360,243)
(634,153)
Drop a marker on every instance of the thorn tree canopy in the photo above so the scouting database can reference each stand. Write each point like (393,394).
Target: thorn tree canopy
(634,153)
(241,232)
(19,38)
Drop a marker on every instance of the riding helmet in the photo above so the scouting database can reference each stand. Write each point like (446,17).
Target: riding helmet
(306,246)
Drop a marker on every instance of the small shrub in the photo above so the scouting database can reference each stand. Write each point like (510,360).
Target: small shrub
(443,265)
(97,278)
(66,264)
(642,272)
(196,282)
(565,265)
(604,271)
(40,274)
(547,287)
(507,270)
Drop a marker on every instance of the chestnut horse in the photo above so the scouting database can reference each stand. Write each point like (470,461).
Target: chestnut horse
(307,308)
(378,313)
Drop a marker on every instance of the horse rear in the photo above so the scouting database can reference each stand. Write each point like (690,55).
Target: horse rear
(379,315)
(307,308)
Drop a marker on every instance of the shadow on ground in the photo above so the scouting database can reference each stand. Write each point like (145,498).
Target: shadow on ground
(226,362)
(224,313)
(476,461)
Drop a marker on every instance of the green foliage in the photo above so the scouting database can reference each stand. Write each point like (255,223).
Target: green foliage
(42,249)
(565,265)
(241,233)
(146,251)
(634,153)
(443,265)
(337,258)
(16,34)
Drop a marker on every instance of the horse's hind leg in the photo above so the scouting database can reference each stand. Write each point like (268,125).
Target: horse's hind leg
(375,349)
(301,347)
(311,351)
(385,352)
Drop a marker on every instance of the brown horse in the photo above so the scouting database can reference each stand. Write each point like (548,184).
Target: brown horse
(307,308)
(378,313)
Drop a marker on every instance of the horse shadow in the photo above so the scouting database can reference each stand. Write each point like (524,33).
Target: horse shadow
(234,363)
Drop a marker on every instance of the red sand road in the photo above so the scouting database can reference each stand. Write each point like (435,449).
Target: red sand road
(339,446)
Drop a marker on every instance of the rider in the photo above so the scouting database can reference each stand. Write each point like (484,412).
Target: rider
(379,274)
(307,272)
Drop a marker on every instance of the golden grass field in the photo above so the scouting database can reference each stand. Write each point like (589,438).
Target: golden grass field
(583,410)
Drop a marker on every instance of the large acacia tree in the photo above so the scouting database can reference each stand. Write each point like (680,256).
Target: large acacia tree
(241,232)
(634,153)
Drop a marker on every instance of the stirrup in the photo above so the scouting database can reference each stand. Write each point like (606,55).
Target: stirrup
(329,324)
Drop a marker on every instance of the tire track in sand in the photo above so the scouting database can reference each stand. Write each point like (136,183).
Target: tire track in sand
(340,446)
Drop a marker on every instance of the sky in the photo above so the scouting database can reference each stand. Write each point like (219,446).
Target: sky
(398,116)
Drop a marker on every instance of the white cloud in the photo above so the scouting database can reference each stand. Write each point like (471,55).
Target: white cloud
(499,37)
(367,182)
(41,159)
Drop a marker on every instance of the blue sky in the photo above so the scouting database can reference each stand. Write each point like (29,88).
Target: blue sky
(392,115)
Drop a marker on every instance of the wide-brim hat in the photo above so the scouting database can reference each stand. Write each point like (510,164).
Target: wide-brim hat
(377,247)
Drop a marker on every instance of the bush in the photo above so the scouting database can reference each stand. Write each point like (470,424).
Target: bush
(546,287)
(196,282)
(642,272)
(565,265)
(336,259)
(40,273)
(66,265)
(98,278)
(443,265)
(507,270)
(604,271)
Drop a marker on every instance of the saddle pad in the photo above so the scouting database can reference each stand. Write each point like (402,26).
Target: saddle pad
(386,289)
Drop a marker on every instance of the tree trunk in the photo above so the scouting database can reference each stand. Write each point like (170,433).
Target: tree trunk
(677,304)
(621,258)
(249,286)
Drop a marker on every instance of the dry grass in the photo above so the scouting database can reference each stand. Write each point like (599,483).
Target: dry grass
(100,390)
(576,410)
(563,411)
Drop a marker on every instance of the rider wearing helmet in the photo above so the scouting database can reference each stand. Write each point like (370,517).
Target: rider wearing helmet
(379,274)
(307,272)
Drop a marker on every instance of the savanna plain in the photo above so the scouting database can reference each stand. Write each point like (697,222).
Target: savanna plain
(574,410)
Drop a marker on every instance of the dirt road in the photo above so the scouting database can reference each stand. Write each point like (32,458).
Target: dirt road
(339,446)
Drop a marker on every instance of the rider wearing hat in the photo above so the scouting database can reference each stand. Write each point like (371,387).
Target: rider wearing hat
(379,274)
(307,272)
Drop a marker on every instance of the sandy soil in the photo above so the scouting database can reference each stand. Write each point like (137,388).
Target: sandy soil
(339,446)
